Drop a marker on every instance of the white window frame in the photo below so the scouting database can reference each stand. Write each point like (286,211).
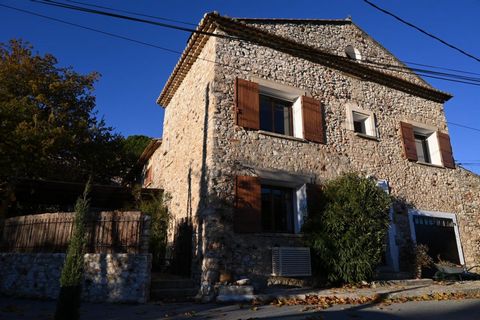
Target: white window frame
(437,214)
(298,184)
(432,140)
(287,93)
(370,125)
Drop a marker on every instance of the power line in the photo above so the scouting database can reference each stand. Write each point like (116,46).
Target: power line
(124,17)
(160,47)
(463,126)
(90,29)
(63,5)
(422,72)
(134,13)
(422,31)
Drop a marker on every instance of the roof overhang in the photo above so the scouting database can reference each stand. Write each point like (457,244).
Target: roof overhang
(242,31)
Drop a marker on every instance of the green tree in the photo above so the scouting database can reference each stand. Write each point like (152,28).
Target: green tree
(347,232)
(68,303)
(134,145)
(48,125)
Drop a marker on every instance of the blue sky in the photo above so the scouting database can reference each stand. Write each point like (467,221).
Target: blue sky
(133,75)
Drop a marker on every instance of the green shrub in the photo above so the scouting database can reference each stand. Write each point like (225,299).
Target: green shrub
(68,303)
(156,209)
(348,229)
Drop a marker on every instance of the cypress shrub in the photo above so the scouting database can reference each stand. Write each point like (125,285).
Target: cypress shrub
(68,303)
(347,232)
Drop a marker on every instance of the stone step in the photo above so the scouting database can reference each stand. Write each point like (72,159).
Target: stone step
(179,294)
(172,284)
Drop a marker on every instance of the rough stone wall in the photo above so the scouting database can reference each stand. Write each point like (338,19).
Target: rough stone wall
(425,187)
(180,164)
(335,37)
(235,151)
(118,277)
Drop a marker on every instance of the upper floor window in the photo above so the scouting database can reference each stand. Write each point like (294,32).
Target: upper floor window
(276,115)
(353,53)
(426,144)
(279,109)
(361,121)
(421,144)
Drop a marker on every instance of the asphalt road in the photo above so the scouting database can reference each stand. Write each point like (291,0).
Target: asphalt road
(19,309)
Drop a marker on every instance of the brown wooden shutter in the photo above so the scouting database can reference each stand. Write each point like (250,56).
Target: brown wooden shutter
(445,150)
(408,139)
(312,120)
(248,205)
(314,198)
(247,104)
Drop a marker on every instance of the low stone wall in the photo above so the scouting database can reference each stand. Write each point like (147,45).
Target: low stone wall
(117,277)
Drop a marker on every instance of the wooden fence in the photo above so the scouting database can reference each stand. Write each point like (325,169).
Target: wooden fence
(107,232)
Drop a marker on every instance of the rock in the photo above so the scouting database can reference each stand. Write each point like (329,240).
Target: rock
(242,282)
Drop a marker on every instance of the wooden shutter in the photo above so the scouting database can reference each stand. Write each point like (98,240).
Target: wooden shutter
(408,139)
(247,104)
(445,150)
(314,198)
(312,120)
(248,205)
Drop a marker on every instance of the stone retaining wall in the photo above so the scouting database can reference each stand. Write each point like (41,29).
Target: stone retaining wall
(108,277)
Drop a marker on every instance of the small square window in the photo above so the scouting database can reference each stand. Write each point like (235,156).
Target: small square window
(361,121)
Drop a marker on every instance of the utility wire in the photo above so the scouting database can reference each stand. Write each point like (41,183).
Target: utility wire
(86,10)
(90,29)
(194,24)
(158,47)
(120,16)
(134,13)
(384,66)
(453,78)
(463,126)
(422,31)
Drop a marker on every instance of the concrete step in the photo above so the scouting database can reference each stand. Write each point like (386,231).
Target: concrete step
(172,284)
(179,294)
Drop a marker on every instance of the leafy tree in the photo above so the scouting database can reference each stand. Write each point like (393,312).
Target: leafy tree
(347,232)
(68,303)
(133,146)
(48,125)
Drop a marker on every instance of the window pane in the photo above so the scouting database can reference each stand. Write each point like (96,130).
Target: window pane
(359,126)
(265,114)
(277,209)
(275,115)
(421,144)
(266,210)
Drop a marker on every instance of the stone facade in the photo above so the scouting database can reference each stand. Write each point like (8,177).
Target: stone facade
(118,277)
(206,149)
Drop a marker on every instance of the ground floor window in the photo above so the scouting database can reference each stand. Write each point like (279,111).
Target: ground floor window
(277,209)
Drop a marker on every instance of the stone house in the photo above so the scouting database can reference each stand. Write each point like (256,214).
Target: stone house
(259,112)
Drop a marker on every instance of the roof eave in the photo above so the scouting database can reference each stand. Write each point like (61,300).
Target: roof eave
(213,20)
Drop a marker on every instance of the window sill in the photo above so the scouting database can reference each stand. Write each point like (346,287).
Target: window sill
(366,136)
(278,135)
(430,164)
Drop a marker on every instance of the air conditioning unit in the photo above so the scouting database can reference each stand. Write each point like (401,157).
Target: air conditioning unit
(291,261)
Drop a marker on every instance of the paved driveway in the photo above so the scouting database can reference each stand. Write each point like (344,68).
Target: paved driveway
(19,309)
